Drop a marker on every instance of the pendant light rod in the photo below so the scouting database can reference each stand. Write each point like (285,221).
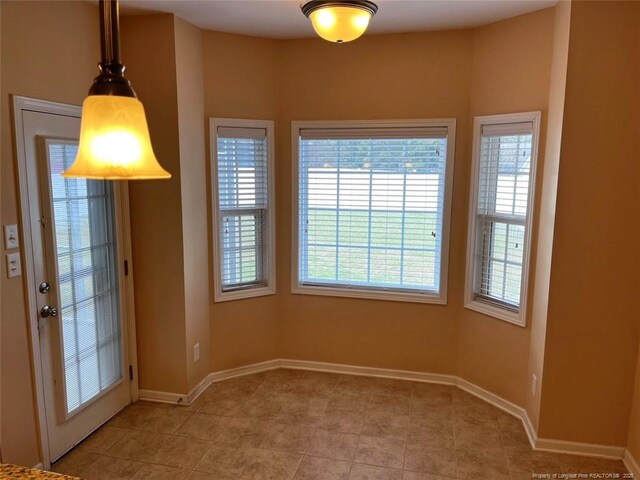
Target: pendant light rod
(111,80)
(109,31)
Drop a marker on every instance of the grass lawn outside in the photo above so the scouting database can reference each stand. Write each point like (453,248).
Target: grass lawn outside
(385,248)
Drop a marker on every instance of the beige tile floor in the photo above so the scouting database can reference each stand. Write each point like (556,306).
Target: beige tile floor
(302,425)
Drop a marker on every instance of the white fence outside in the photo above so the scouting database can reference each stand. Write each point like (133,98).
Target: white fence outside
(364,189)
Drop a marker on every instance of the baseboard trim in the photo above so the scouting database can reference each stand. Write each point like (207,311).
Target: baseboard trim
(539,444)
(492,398)
(631,464)
(38,466)
(246,370)
(571,448)
(197,390)
(368,371)
(161,397)
(529,429)
(188,399)
(578,448)
(214,377)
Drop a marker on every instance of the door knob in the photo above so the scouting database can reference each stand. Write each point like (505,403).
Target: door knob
(48,311)
(44,287)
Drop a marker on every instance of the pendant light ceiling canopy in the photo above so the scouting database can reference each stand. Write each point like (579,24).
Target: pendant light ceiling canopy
(339,21)
(114,136)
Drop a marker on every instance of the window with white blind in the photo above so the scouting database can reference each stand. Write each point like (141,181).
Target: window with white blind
(244,236)
(504,162)
(373,207)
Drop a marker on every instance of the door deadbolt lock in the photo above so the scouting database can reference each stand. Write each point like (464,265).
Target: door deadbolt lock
(44,287)
(48,311)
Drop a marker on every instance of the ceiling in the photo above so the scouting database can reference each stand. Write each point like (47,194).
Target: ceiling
(283,18)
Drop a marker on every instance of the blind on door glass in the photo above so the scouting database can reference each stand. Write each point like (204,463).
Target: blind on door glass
(503,200)
(87,283)
(242,207)
(371,207)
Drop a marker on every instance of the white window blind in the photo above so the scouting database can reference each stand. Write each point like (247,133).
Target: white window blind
(504,186)
(242,164)
(86,258)
(372,208)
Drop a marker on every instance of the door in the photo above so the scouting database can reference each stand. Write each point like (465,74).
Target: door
(77,243)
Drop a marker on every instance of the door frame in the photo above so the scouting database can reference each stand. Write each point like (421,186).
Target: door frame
(26,199)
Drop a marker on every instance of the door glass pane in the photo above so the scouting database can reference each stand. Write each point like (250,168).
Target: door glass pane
(85,237)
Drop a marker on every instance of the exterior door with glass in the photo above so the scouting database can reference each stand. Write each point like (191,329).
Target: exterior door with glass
(77,243)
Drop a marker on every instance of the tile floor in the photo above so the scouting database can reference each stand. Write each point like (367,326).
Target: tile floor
(302,425)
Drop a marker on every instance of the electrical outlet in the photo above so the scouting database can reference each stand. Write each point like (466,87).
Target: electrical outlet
(196,352)
(14,267)
(11,236)
(534,385)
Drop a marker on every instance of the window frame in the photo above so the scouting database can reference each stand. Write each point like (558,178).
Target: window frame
(251,291)
(494,309)
(397,295)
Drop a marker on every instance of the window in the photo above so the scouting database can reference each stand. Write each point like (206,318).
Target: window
(504,162)
(373,203)
(244,236)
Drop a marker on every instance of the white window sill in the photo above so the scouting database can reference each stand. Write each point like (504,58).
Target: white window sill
(392,296)
(242,294)
(517,318)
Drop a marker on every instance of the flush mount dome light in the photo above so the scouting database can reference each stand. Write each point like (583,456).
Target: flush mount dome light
(114,137)
(339,21)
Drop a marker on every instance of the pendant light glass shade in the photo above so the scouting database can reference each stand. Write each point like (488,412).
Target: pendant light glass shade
(114,136)
(114,141)
(339,21)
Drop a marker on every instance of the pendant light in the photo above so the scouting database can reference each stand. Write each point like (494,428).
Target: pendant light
(339,21)
(114,136)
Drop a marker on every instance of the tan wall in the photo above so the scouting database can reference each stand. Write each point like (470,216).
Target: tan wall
(169,218)
(189,70)
(156,209)
(49,50)
(592,326)
(439,74)
(424,75)
(510,73)
(240,77)
(547,209)
(436,75)
(247,77)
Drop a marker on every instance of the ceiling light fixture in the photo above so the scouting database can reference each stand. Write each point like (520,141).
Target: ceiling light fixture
(114,136)
(339,21)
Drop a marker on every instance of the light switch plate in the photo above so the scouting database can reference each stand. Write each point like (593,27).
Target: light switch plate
(14,267)
(10,237)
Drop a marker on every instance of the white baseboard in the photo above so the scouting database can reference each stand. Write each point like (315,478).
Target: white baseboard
(571,448)
(578,448)
(368,371)
(540,444)
(38,466)
(246,370)
(188,399)
(161,397)
(529,429)
(492,398)
(631,464)
(231,373)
